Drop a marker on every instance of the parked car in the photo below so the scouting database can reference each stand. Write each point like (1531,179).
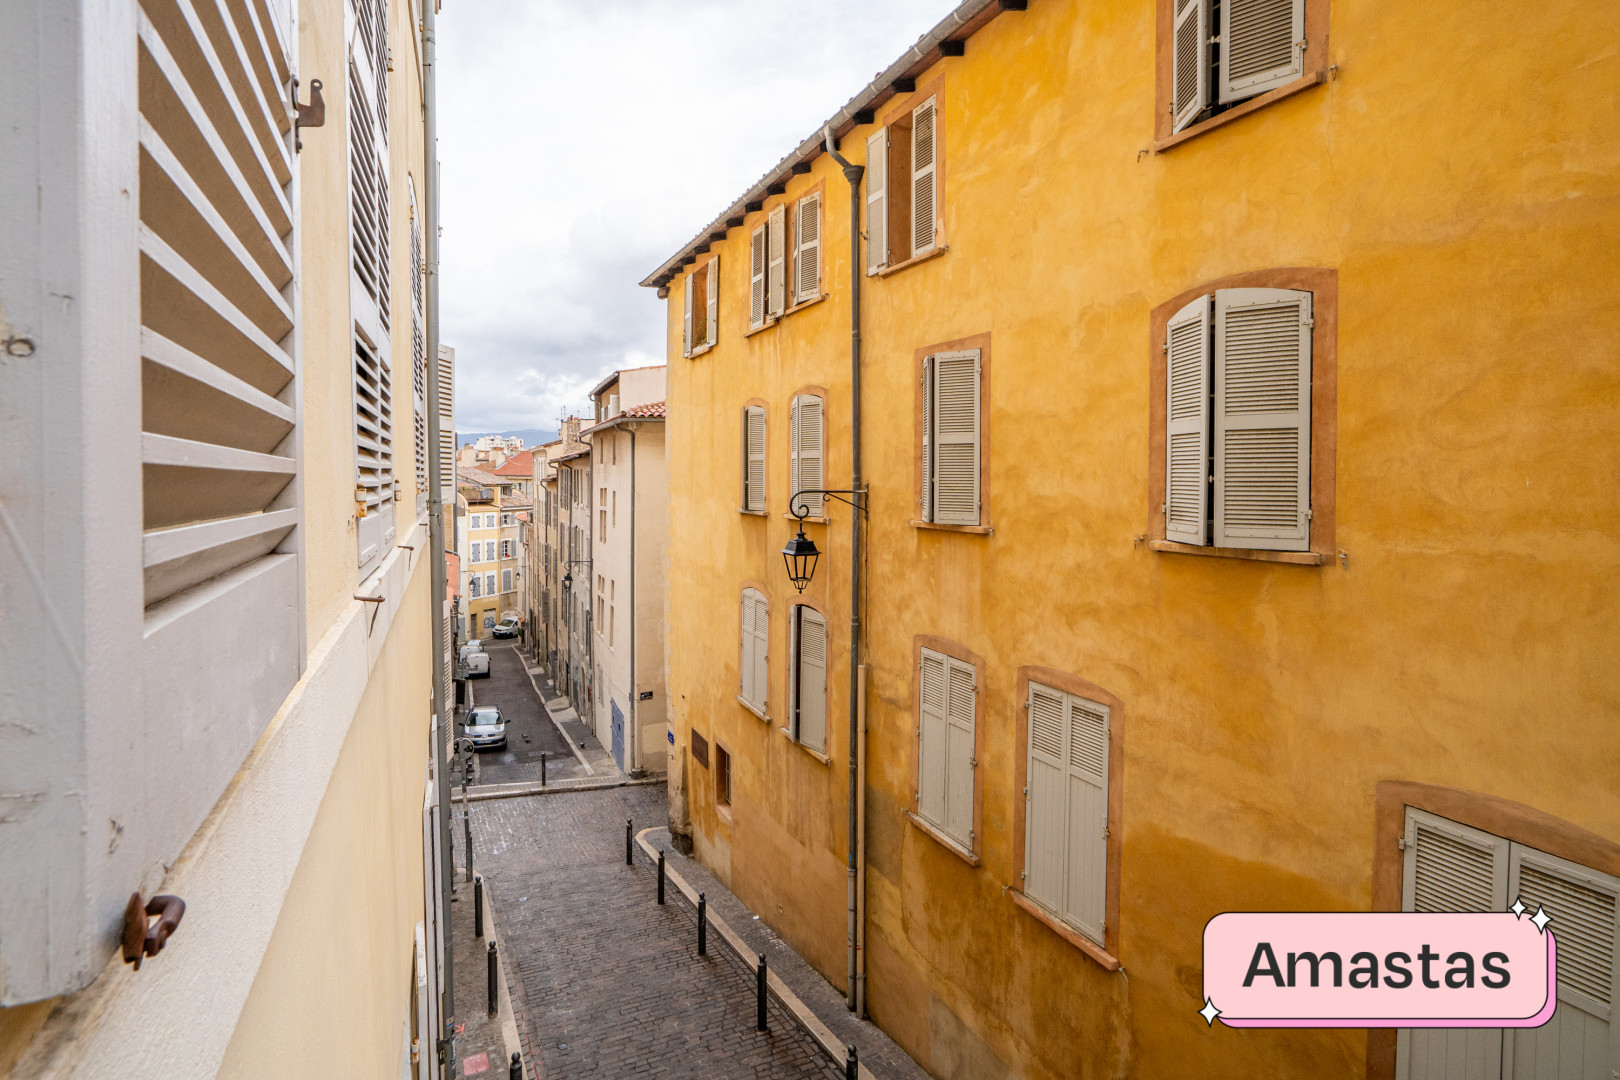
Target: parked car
(507,627)
(470,647)
(486,727)
(477,665)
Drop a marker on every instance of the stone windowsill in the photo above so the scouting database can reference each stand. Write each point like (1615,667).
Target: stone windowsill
(818,755)
(950,845)
(1295,558)
(971,530)
(750,706)
(905,264)
(1108,960)
(1315,78)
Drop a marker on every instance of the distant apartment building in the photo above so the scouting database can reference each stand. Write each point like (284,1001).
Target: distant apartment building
(509,444)
(539,553)
(490,555)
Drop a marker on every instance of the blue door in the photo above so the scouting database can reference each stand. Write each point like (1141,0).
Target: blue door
(618,735)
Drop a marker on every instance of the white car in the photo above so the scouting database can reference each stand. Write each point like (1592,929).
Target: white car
(470,647)
(486,728)
(477,665)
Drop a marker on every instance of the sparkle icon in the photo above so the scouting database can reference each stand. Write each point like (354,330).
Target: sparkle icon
(1541,919)
(1209,1012)
(1518,908)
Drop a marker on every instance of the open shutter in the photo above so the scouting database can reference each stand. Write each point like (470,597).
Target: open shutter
(1450,867)
(373,453)
(807,237)
(761,655)
(1262,46)
(961,692)
(1189,64)
(1085,902)
(754,458)
(956,438)
(877,202)
(1262,419)
(776,260)
(756,280)
(1186,415)
(1045,823)
(808,438)
(812,679)
(923,146)
(932,737)
(745,654)
(686,317)
(711,281)
(925,498)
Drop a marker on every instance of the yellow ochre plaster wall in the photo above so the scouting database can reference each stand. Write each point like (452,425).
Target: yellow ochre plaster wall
(1461,177)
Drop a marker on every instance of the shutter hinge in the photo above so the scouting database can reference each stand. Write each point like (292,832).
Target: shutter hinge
(1307,515)
(1026,791)
(1216,40)
(973,763)
(1401,843)
(1105,832)
(1165,348)
(1024,874)
(1307,322)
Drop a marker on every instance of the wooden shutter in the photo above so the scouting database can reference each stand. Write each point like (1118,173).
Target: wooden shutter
(1262,46)
(877,203)
(447,424)
(1189,63)
(961,693)
(934,677)
(756,280)
(761,653)
(1186,416)
(807,443)
(1086,895)
(1262,419)
(925,498)
(807,241)
(956,438)
(1450,867)
(745,661)
(419,372)
(1045,823)
(776,260)
(373,452)
(1581,1039)
(711,281)
(923,189)
(754,458)
(811,679)
(686,317)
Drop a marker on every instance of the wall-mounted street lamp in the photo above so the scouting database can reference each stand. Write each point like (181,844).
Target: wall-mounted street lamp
(801,553)
(568,575)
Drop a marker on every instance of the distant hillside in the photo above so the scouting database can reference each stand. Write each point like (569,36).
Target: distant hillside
(531,437)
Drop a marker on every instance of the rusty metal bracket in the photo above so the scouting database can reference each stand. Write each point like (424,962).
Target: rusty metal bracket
(312,115)
(143,938)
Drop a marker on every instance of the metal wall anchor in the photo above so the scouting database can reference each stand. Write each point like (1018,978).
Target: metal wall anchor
(142,938)
(312,115)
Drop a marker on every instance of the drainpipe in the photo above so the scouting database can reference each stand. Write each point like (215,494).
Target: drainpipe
(436,548)
(633,737)
(855,999)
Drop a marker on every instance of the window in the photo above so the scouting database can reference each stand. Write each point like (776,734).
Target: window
(1237,430)
(1066,822)
(613,599)
(807,451)
(615,509)
(602,513)
(947,708)
(373,451)
(506,519)
(902,203)
(489,583)
(506,581)
(768,278)
(1260,46)
(474,586)
(754,661)
(951,441)
(722,776)
(475,553)
(754,458)
(807,674)
(807,249)
(1448,866)
(506,549)
(701,318)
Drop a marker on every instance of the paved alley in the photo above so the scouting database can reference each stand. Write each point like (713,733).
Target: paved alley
(530,731)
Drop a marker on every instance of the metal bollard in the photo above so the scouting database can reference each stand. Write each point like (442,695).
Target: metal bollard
(629,851)
(478,906)
(543,769)
(466,823)
(494,983)
(852,1063)
(660,877)
(515,1072)
(759,1014)
(703,925)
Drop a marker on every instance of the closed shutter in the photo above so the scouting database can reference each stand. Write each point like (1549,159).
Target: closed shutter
(447,424)
(506,581)
(1086,895)
(754,458)
(808,440)
(1262,46)
(925,498)
(877,203)
(961,693)
(1045,821)
(934,674)
(1186,415)
(923,146)
(956,438)
(776,260)
(711,322)
(756,279)
(1262,419)
(807,240)
(686,315)
(811,679)
(1189,63)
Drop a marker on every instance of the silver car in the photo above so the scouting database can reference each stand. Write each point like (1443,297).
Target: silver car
(486,728)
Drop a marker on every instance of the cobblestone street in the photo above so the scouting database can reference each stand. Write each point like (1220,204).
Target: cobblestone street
(607,983)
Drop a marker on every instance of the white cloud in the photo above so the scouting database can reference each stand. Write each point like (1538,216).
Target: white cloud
(582,144)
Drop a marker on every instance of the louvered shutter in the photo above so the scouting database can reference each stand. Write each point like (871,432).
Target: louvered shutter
(1189,63)
(808,437)
(686,315)
(711,281)
(776,260)
(753,458)
(932,737)
(1186,415)
(1086,893)
(1045,820)
(745,656)
(1450,867)
(956,438)
(877,202)
(923,147)
(374,452)
(419,370)
(1262,419)
(1581,1039)
(811,679)
(756,279)
(961,692)
(761,656)
(807,238)
(1262,46)
(925,498)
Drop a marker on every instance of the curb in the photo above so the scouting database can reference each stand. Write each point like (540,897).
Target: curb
(513,791)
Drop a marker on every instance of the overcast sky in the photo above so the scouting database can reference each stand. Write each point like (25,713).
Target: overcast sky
(583,144)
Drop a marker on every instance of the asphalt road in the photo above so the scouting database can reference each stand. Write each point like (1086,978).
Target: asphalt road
(529,729)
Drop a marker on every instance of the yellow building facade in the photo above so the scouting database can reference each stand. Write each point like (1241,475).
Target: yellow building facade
(1377,615)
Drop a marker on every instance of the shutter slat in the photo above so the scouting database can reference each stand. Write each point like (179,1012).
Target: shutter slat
(1260,46)
(1584,923)
(756,280)
(961,699)
(812,679)
(1189,63)
(754,458)
(776,260)
(877,203)
(808,442)
(923,173)
(807,241)
(956,438)
(931,737)
(1187,372)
